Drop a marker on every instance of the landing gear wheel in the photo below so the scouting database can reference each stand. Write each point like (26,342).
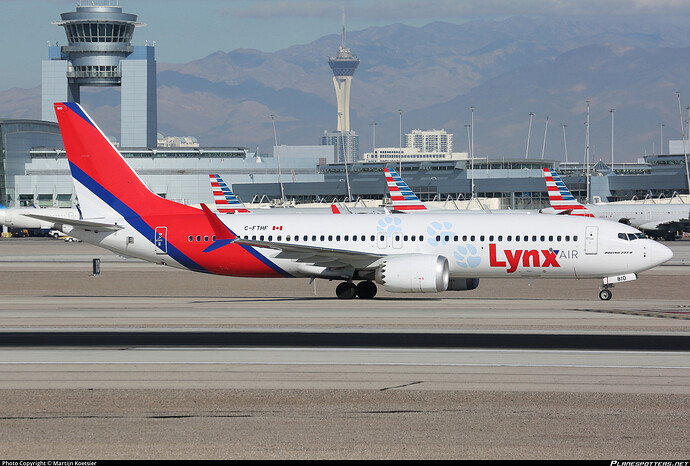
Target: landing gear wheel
(366,290)
(346,290)
(605,295)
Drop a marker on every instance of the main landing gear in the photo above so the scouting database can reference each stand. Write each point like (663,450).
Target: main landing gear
(348,290)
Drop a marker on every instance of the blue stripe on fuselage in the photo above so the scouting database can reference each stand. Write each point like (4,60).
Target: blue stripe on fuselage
(130,216)
(142,227)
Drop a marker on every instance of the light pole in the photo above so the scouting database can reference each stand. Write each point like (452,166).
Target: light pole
(469,154)
(587,152)
(472,139)
(613,110)
(277,154)
(342,147)
(685,146)
(543,146)
(529,131)
(400,144)
(373,132)
(565,143)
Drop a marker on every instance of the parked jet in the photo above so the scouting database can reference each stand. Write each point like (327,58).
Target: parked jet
(403,253)
(657,220)
(30,217)
(226,201)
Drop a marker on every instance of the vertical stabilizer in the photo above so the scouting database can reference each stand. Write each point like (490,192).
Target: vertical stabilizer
(402,197)
(226,201)
(560,198)
(105,184)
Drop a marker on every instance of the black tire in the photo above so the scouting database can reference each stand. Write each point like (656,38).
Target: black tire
(346,290)
(605,295)
(366,289)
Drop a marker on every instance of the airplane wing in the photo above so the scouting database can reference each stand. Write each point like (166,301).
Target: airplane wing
(81,224)
(673,225)
(319,256)
(313,255)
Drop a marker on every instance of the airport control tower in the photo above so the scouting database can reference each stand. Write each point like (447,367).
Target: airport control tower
(346,141)
(99,53)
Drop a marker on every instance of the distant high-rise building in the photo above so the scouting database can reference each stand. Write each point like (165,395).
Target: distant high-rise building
(346,141)
(99,53)
(430,140)
(346,145)
(419,145)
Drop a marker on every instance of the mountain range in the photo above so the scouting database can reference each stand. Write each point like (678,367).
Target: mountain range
(505,69)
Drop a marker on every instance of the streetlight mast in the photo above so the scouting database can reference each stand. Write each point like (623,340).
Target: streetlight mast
(529,131)
(277,155)
(587,153)
(543,146)
(613,110)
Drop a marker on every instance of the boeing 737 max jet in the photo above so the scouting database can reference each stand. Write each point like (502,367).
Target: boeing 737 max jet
(658,220)
(403,253)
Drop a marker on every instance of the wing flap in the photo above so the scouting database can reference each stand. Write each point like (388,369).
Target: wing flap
(316,255)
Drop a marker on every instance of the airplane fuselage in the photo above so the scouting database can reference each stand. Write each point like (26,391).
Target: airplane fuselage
(476,246)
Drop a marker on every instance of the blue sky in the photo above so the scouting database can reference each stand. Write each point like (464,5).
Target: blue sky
(185,30)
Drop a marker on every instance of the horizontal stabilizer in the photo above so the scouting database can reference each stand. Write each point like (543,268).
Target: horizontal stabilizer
(81,224)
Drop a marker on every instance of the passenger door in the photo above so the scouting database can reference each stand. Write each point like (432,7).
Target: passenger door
(591,240)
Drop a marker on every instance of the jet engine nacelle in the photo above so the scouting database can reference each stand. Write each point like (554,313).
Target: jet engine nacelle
(414,273)
(463,284)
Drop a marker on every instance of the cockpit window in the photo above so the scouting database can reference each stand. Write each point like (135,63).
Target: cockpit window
(631,236)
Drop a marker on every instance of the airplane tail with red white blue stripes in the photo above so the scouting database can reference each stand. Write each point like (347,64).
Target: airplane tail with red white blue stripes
(402,197)
(560,198)
(226,201)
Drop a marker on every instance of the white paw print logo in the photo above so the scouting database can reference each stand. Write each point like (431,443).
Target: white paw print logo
(389,225)
(439,230)
(466,256)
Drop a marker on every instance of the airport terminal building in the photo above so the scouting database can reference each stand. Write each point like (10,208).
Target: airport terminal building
(34,171)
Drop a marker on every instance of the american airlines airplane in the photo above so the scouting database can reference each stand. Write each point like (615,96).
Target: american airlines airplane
(657,220)
(402,253)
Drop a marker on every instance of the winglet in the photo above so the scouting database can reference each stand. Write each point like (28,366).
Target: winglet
(334,209)
(219,229)
(222,233)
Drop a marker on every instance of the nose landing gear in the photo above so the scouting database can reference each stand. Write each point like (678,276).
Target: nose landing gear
(605,294)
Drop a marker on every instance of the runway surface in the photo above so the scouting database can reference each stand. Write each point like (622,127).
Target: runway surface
(143,361)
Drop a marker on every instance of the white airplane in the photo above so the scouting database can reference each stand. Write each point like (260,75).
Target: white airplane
(227,202)
(657,220)
(403,253)
(30,217)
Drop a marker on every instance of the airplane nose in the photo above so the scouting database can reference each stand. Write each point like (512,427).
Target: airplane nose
(659,253)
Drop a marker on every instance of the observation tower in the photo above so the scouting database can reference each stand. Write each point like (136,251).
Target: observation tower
(344,66)
(346,141)
(99,53)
